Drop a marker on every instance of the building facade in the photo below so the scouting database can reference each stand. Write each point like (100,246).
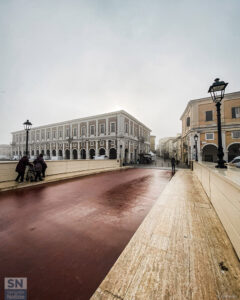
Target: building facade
(5,151)
(170,147)
(118,135)
(152,143)
(200,117)
(162,146)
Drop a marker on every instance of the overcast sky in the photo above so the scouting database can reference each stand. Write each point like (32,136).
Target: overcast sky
(65,59)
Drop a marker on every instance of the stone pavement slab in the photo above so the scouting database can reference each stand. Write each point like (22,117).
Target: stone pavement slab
(180,251)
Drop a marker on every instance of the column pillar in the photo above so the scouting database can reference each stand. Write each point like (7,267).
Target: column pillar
(57,150)
(96,128)
(78,150)
(87,129)
(45,149)
(225,157)
(70,131)
(107,127)
(71,156)
(96,148)
(107,148)
(199,148)
(63,150)
(200,155)
(87,150)
(50,148)
(118,149)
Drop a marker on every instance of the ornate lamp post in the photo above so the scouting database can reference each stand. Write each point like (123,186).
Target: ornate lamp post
(196,139)
(217,90)
(27,126)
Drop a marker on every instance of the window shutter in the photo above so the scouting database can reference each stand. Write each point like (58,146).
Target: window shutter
(233,113)
(237,112)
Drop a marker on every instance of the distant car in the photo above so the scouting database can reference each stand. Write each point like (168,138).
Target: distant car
(15,157)
(235,162)
(100,157)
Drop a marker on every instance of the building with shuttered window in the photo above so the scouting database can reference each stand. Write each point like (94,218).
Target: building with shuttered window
(200,117)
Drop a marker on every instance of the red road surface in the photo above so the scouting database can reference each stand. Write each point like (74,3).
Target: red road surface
(65,237)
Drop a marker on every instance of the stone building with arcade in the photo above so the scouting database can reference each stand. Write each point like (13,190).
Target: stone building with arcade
(117,135)
(200,117)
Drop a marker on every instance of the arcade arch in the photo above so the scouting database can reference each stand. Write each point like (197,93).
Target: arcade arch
(75,154)
(67,154)
(112,153)
(209,153)
(102,151)
(83,154)
(233,151)
(91,153)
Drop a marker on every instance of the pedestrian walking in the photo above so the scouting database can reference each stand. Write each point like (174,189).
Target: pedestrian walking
(43,163)
(37,169)
(20,168)
(173,162)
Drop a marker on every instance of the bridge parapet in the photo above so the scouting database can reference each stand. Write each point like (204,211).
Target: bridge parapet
(223,189)
(7,169)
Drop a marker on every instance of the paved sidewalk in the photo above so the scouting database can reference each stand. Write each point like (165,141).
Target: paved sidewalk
(12,185)
(180,251)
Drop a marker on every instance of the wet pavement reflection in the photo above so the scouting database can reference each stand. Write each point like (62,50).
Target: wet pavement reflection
(65,237)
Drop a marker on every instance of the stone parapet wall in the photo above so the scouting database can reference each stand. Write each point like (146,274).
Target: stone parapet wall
(7,169)
(223,189)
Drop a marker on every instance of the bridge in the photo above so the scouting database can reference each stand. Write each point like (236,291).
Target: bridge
(124,234)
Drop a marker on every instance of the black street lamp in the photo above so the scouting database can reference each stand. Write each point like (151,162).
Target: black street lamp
(196,139)
(27,126)
(217,90)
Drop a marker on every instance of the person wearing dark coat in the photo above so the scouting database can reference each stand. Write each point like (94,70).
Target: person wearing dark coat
(38,169)
(43,163)
(21,166)
(173,162)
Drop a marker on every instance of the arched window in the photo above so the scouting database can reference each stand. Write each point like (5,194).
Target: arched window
(91,153)
(75,154)
(112,153)
(83,154)
(67,154)
(102,151)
